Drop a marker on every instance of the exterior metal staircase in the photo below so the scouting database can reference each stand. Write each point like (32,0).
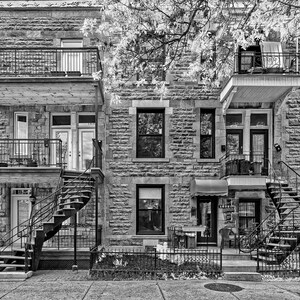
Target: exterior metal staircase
(276,239)
(73,193)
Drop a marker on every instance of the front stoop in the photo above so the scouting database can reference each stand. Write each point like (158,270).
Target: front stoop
(15,276)
(239,265)
(242,276)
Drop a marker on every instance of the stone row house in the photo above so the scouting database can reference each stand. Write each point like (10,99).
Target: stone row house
(192,160)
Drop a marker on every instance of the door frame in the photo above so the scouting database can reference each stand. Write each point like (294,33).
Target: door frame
(265,132)
(202,239)
(241,138)
(14,198)
(257,203)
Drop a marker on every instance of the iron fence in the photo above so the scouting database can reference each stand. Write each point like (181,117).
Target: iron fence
(155,263)
(266,62)
(31,153)
(45,62)
(278,262)
(64,238)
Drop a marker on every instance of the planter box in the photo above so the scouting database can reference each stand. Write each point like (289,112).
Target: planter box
(3,165)
(58,73)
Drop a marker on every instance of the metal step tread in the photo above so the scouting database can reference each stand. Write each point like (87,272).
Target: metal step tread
(283,238)
(13,265)
(265,258)
(278,245)
(13,257)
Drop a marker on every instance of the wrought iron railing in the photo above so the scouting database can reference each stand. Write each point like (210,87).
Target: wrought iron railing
(84,236)
(243,164)
(114,264)
(291,175)
(31,153)
(44,62)
(266,62)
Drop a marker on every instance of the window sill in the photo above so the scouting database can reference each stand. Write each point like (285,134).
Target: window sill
(207,160)
(150,160)
(149,237)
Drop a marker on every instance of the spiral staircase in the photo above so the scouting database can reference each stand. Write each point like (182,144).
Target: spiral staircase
(73,192)
(274,242)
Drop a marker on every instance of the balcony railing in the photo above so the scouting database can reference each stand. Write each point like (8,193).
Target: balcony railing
(250,62)
(45,62)
(31,153)
(244,164)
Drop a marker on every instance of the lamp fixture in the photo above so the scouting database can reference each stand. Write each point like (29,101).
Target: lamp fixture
(277,147)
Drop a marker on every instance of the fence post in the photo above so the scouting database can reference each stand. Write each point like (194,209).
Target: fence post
(257,259)
(221,259)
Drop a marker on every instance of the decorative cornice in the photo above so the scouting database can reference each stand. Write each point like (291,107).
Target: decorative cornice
(49,3)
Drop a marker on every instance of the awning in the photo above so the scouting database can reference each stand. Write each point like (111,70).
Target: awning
(200,187)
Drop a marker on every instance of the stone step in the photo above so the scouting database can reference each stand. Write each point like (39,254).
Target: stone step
(239,266)
(242,276)
(15,275)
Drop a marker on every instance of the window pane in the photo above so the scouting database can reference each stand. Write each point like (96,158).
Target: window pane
(206,123)
(86,118)
(150,146)
(234,119)
(150,221)
(206,148)
(150,123)
(150,193)
(259,120)
(233,143)
(61,120)
(207,134)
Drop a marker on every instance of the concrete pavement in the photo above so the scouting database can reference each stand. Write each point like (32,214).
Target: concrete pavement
(46,285)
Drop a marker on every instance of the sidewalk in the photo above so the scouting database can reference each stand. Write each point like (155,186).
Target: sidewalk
(46,285)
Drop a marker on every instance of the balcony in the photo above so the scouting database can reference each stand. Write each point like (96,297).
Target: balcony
(49,62)
(31,153)
(243,164)
(261,77)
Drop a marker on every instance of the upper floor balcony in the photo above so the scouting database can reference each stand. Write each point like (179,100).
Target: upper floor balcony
(49,62)
(263,74)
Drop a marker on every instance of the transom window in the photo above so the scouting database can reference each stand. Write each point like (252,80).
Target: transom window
(150,209)
(207,133)
(150,133)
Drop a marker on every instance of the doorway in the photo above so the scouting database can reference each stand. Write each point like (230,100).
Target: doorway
(259,148)
(86,149)
(207,220)
(249,215)
(20,213)
(234,141)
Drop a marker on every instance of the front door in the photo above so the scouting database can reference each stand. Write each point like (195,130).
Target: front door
(207,220)
(234,141)
(20,214)
(65,136)
(259,148)
(249,215)
(86,149)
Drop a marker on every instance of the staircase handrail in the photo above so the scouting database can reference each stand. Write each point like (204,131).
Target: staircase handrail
(291,169)
(38,217)
(254,234)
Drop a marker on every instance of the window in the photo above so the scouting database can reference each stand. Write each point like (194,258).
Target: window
(61,120)
(207,133)
(150,209)
(150,133)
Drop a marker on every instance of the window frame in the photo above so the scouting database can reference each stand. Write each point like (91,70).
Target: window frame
(141,186)
(151,110)
(213,135)
(16,127)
